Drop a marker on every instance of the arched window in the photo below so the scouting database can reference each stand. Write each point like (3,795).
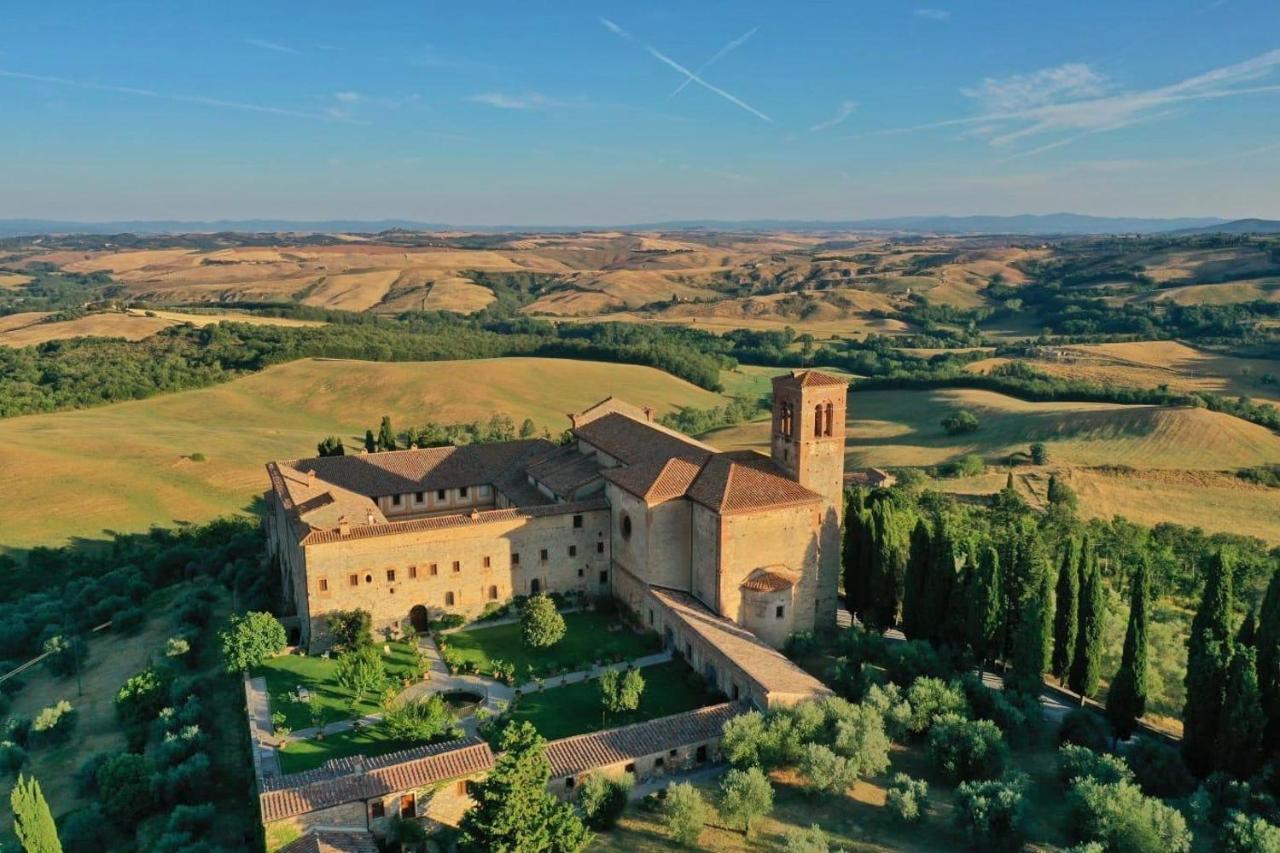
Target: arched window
(535,586)
(626,526)
(817,421)
(831,409)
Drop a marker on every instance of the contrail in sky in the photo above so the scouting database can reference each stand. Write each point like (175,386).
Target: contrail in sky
(720,54)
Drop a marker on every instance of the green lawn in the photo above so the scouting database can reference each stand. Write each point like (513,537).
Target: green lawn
(308,754)
(287,673)
(588,637)
(669,688)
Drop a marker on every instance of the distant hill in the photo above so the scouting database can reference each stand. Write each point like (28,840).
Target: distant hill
(1236,226)
(1025,224)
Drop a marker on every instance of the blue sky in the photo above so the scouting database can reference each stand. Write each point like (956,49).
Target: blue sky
(594,113)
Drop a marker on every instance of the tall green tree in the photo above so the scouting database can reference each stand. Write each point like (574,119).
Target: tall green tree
(330,446)
(1127,698)
(386,435)
(891,534)
(855,553)
(986,617)
(919,565)
(370,443)
(1066,616)
(514,812)
(1267,642)
(1034,636)
(1242,723)
(1209,652)
(939,583)
(1086,668)
(32,820)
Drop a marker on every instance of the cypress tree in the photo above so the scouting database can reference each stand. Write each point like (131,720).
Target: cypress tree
(853,571)
(955,623)
(1086,668)
(1034,636)
(939,585)
(889,559)
(1267,642)
(919,566)
(1127,699)
(32,820)
(1248,633)
(369,444)
(1242,723)
(1066,617)
(985,617)
(386,435)
(1209,653)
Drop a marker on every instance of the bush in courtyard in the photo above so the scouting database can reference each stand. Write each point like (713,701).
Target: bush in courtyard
(361,671)
(251,639)
(1121,817)
(603,799)
(351,628)
(1084,728)
(1159,769)
(422,719)
(967,749)
(990,813)
(1080,762)
(685,813)
(541,625)
(907,798)
(54,723)
(1244,833)
(744,796)
(931,698)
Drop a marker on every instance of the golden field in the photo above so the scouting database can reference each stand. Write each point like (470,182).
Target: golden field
(30,328)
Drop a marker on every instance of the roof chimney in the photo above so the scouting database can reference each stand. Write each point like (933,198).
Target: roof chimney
(344,526)
(311,479)
(369,517)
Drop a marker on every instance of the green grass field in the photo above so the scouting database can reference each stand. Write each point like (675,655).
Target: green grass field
(575,709)
(285,674)
(128,466)
(302,755)
(588,637)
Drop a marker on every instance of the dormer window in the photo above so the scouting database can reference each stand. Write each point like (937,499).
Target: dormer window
(462,492)
(395,500)
(440,494)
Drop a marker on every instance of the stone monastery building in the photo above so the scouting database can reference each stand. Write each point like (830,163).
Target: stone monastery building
(724,554)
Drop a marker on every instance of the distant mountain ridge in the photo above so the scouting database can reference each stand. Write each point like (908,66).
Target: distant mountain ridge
(1070,224)
(1235,226)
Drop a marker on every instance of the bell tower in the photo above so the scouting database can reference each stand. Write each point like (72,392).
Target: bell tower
(808,431)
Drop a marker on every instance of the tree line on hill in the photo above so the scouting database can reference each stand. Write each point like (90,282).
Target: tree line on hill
(1031,592)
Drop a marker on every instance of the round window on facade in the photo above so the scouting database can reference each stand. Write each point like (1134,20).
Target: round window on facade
(626,526)
(368,578)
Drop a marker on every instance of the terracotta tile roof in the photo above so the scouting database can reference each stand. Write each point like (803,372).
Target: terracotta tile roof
(762,663)
(565,470)
(348,780)
(769,580)
(809,379)
(440,522)
(333,841)
(633,441)
(572,755)
(744,481)
(658,480)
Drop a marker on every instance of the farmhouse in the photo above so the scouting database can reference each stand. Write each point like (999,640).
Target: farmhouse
(724,555)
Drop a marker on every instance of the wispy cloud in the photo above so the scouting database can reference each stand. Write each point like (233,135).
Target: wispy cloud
(1072,102)
(843,111)
(933,14)
(274,47)
(691,76)
(182,99)
(719,54)
(525,101)
(348,97)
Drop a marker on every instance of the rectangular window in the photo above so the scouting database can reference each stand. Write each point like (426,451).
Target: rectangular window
(377,809)
(604,577)
(413,572)
(573,550)
(419,496)
(457,566)
(581,572)
(543,554)
(577,521)
(435,570)
(407,805)
(395,500)
(599,547)
(462,492)
(486,562)
(391,575)
(440,493)
(781,609)
(354,580)
(324,585)
(515,558)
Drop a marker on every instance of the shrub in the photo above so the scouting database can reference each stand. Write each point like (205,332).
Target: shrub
(990,813)
(251,639)
(824,771)
(141,697)
(685,813)
(351,628)
(906,662)
(802,644)
(17,728)
(907,798)
(887,700)
(1159,768)
(86,776)
(967,749)
(857,732)
(447,622)
(743,739)
(1218,796)
(1121,817)
(66,653)
(128,621)
(54,723)
(124,789)
(1243,833)
(603,799)
(1080,762)
(931,698)
(960,422)
(541,625)
(1018,715)
(1084,728)
(12,756)
(421,719)
(801,840)
(86,830)
(744,796)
